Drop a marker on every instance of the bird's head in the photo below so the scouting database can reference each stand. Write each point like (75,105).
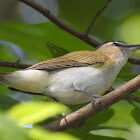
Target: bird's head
(121,45)
(118,46)
(118,49)
(124,46)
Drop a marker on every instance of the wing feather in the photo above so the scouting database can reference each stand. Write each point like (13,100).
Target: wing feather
(74,59)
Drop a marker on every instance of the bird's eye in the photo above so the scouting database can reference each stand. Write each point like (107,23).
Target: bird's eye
(115,44)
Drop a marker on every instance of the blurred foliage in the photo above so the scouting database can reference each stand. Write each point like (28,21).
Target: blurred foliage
(38,42)
(56,51)
(136,114)
(10,130)
(35,112)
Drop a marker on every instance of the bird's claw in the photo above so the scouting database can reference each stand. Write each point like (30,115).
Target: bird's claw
(96,97)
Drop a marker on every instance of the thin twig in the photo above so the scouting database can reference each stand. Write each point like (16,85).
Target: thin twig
(130,102)
(13,65)
(134,61)
(99,105)
(96,16)
(134,98)
(59,23)
(131,97)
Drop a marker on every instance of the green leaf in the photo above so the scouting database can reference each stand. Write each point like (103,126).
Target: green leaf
(33,39)
(6,56)
(137,93)
(61,38)
(126,76)
(41,134)
(125,73)
(133,33)
(98,119)
(85,135)
(34,112)
(9,130)
(6,102)
(55,50)
(79,14)
(30,38)
(136,115)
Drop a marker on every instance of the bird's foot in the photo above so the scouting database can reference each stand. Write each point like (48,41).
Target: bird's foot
(93,101)
(95,98)
(91,94)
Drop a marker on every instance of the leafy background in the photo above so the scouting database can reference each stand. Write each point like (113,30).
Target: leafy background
(27,36)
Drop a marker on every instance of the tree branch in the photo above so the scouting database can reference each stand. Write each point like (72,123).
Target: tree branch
(59,23)
(70,30)
(13,65)
(96,16)
(132,103)
(134,61)
(133,98)
(100,105)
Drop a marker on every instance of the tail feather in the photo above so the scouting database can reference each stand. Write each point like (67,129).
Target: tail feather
(34,81)
(3,81)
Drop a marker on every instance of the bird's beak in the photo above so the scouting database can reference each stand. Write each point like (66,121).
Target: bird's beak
(134,47)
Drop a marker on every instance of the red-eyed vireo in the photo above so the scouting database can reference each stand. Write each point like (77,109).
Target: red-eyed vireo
(74,78)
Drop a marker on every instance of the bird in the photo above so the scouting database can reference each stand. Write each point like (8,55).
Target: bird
(74,78)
